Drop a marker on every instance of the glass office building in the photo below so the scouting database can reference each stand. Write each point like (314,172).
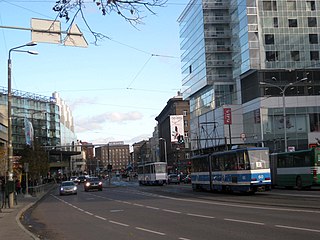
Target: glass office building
(238,55)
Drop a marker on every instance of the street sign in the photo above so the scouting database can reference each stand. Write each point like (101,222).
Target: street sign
(75,38)
(48,31)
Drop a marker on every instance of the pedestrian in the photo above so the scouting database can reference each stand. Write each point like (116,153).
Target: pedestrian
(18,186)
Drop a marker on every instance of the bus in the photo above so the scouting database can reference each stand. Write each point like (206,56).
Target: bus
(154,173)
(299,169)
(244,169)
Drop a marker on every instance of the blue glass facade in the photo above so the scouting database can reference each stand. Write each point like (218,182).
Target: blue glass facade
(229,47)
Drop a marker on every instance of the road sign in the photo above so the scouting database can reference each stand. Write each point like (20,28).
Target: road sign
(45,31)
(75,38)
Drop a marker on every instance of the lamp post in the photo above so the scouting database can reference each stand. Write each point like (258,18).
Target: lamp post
(283,93)
(165,149)
(10,152)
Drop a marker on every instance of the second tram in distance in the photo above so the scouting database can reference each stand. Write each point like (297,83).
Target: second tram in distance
(154,173)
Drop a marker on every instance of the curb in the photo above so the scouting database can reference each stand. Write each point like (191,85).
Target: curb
(24,209)
(18,217)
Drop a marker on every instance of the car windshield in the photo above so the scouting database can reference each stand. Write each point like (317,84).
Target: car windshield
(93,179)
(67,184)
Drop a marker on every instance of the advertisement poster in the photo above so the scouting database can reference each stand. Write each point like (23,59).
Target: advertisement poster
(176,127)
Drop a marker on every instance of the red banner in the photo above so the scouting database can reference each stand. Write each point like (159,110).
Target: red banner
(227,116)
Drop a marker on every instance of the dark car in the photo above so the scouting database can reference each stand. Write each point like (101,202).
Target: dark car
(81,179)
(187,179)
(173,178)
(92,183)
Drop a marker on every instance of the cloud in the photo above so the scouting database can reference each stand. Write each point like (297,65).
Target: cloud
(98,122)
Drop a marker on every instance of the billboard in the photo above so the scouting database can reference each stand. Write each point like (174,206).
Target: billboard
(28,130)
(227,116)
(176,127)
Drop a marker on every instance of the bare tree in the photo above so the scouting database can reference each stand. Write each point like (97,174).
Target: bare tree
(130,10)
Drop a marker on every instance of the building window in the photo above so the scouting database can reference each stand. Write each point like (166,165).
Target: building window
(295,56)
(314,55)
(185,113)
(270,5)
(186,123)
(310,5)
(314,122)
(291,5)
(312,21)
(272,56)
(293,22)
(313,38)
(275,22)
(269,39)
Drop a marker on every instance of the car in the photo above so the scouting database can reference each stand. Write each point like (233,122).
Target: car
(173,178)
(92,183)
(81,179)
(68,187)
(75,179)
(187,179)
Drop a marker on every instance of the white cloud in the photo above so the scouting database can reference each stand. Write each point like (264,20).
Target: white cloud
(98,122)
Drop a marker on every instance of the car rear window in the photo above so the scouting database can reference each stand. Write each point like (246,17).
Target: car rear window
(67,184)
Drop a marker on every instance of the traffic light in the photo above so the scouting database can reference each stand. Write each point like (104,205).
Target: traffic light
(180,139)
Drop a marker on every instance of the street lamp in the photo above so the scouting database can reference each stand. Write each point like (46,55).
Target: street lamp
(10,153)
(165,149)
(283,92)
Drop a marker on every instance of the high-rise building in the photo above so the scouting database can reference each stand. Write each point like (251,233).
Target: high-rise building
(251,72)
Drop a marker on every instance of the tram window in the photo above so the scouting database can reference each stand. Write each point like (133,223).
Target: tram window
(241,161)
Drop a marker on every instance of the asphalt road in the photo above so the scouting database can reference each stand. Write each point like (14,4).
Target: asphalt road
(129,211)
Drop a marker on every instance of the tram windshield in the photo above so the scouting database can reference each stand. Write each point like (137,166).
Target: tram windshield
(259,159)
(160,168)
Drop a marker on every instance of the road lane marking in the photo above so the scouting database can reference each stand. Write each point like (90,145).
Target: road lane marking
(182,238)
(88,213)
(199,215)
(116,210)
(139,205)
(243,221)
(151,231)
(119,223)
(170,211)
(102,218)
(155,208)
(298,228)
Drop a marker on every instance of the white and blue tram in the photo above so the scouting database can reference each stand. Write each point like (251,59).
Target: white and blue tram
(154,173)
(239,170)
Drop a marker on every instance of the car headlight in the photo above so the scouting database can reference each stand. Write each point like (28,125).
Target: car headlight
(75,188)
(61,189)
(100,183)
(87,184)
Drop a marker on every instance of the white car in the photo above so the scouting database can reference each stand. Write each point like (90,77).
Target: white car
(68,187)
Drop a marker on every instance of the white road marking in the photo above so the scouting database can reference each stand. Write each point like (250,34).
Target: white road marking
(182,238)
(139,205)
(88,213)
(116,210)
(119,223)
(102,218)
(151,231)
(170,211)
(298,228)
(198,215)
(243,221)
(155,208)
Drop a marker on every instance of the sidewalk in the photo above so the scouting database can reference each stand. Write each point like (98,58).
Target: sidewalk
(10,226)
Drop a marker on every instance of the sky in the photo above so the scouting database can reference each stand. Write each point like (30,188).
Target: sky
(114,88)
